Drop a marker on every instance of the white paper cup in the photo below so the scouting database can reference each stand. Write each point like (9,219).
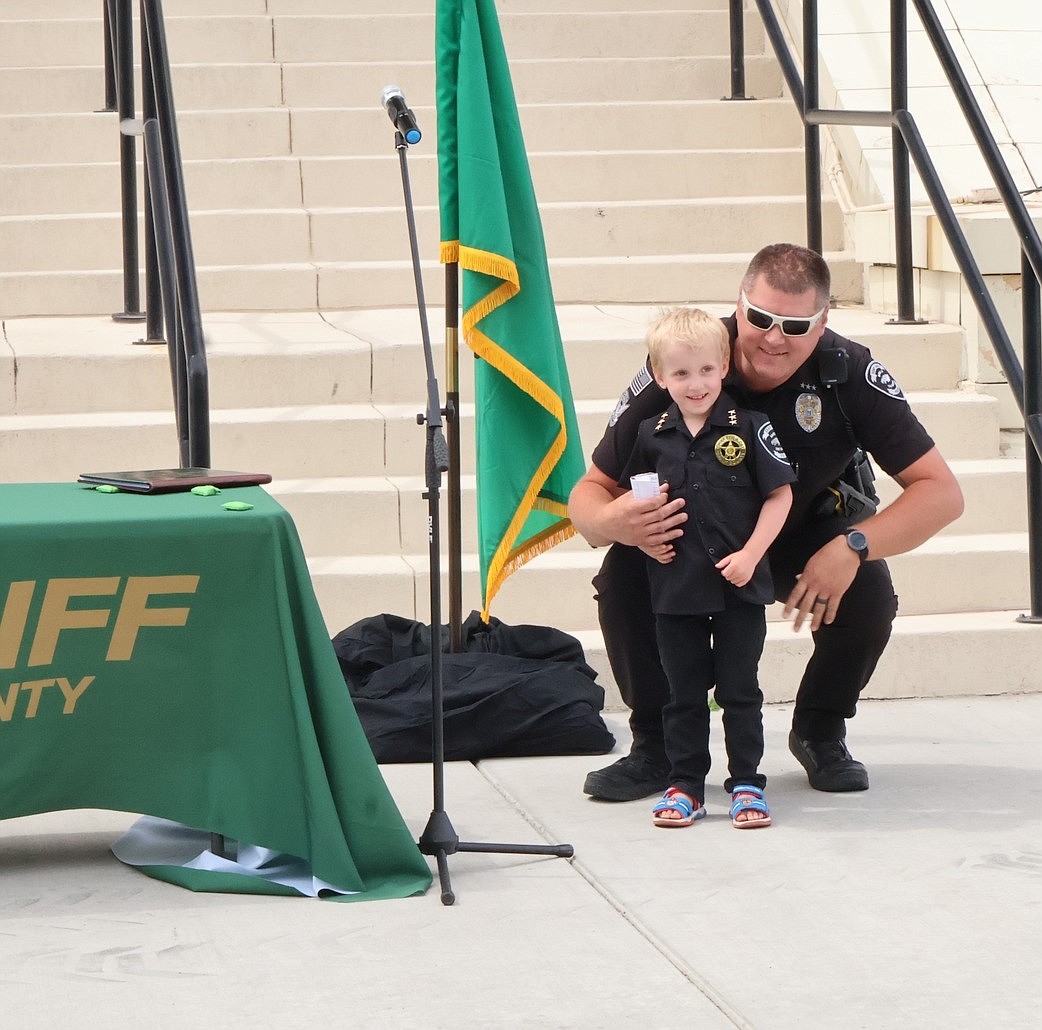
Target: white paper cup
(644,485)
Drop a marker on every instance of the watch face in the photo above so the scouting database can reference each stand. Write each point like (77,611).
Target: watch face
(857,540)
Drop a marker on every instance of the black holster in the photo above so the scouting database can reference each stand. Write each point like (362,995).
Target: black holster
(853,496)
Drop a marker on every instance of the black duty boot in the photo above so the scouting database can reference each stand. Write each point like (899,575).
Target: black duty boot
(829,764)
(639,775)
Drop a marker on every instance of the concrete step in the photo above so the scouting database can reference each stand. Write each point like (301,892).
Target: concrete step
(19,10)
(87,189)
(59,10)
(595,175)
(949,655)
(537,80)
(50,90)
(647,125)
(503,6)
(604,346)
(92,137)
(354,357)
(347,439)
(374,181)
(658,279)
(374,515)
(209,39)
(87,242)
(318,440)
(605,229)
(335,286)
(216,134)
(54,89)
(995,492)
(536,34)
(609,229)
(296,38)
(951,574)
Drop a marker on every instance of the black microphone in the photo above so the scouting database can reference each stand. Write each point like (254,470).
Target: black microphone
(398,111)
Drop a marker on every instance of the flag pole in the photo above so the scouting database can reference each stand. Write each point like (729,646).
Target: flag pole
(453,500)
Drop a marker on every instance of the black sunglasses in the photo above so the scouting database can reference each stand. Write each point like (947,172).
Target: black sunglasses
(790,326)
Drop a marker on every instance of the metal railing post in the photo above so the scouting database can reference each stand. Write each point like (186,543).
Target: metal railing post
(190,330)
(737,36)
(127,161)
(811,133)
(899,153)
(154,307)
(168,267)
(109,48)
(1032,345)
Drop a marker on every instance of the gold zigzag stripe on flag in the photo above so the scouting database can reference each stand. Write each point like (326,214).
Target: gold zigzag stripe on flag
(507,560)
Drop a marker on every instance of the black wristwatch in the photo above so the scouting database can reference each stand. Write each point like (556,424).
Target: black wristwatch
(858,543)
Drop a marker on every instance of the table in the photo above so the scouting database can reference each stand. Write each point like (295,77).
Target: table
(165,655)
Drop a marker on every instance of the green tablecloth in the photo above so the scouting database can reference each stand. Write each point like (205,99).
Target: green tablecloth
(163,655)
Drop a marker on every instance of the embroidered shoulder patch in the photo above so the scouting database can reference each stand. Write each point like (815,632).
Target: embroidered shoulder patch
(641,381)
(880,379)
(771,444)
(620,408)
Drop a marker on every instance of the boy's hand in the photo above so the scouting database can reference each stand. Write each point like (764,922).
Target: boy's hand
(738,568)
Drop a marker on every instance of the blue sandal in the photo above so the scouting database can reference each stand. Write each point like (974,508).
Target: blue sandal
(675,800)
(745,798)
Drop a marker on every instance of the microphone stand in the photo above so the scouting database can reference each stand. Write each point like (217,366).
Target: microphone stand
(439,838)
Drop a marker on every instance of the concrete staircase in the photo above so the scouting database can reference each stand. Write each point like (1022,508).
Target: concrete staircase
(652,190)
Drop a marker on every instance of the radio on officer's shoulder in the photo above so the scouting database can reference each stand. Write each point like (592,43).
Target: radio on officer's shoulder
(832,366)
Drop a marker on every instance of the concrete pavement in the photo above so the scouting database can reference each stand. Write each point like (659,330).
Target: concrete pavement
(915,905)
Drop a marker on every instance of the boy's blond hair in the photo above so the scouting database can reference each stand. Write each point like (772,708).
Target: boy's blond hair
(690,326)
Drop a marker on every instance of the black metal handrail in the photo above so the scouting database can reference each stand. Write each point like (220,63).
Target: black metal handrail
(1025,382)
(172,297)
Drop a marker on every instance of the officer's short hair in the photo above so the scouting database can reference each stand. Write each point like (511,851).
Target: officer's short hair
(792,269)
(691,326)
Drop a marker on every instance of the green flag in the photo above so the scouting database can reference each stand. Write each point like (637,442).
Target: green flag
(528,450)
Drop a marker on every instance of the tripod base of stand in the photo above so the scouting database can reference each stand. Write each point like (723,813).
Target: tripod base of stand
(440,840)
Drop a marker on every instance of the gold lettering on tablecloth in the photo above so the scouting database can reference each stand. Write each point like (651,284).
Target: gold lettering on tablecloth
(29,698)
(56,617)
(134,613)
(34,690)
(12,624)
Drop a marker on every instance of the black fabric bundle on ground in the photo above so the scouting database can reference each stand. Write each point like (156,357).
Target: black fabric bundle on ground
(512,691)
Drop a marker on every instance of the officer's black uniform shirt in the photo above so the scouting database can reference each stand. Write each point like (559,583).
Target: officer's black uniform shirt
(724,474)
(819,426)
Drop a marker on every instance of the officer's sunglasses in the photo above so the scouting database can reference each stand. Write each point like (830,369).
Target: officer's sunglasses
(790,326)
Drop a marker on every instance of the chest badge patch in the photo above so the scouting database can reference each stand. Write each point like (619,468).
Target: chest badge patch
(730,450)
(808,411)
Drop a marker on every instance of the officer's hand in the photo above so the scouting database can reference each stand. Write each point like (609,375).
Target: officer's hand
(648,524)
(662,553)
(820,587)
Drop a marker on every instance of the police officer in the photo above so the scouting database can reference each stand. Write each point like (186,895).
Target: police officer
(828,400)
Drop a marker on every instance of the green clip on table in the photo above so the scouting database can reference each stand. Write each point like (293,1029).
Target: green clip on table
(164,655)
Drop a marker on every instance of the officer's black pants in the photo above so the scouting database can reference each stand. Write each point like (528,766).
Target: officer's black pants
(845,652)
(700,653)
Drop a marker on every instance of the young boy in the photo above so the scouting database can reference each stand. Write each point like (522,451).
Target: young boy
(709,587)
